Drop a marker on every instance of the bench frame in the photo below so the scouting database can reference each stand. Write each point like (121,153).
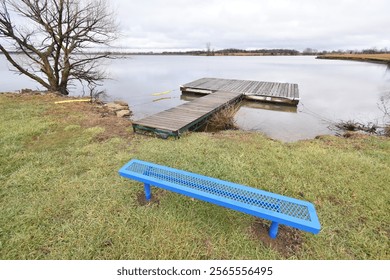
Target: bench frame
(312,225)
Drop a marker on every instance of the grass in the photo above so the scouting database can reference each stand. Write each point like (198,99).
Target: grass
(61,196)
(381,57)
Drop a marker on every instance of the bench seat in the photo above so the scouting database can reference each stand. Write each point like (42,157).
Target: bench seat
(277,208)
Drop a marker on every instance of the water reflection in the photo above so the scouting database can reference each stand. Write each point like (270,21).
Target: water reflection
(270,106)
(384,106)
(161,99)
(189,96)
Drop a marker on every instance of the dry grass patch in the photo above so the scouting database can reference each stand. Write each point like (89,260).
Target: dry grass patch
(382,57)
(223,119)
(89,115)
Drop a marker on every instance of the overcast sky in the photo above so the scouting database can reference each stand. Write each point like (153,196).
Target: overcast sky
(156,25)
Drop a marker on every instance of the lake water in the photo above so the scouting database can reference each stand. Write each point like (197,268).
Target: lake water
(330,90)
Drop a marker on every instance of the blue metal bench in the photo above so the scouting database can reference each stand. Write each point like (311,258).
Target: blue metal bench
(274,207)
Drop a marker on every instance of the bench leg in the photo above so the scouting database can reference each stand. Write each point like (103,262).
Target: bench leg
(273,230)
(148,192)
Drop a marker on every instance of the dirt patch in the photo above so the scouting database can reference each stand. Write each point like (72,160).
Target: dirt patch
(335,200)
(113,126)
(355,135)
(92,115)
(45,250)
(141,199)
(209,246)
(288,242)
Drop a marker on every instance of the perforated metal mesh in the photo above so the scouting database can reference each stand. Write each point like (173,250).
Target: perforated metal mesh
(222,190)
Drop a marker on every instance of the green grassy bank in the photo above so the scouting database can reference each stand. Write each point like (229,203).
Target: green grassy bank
(61,196)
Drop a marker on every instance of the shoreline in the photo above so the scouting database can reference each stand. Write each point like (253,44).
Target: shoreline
(373,58)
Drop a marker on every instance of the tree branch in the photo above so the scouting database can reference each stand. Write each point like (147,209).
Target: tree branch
(57,32)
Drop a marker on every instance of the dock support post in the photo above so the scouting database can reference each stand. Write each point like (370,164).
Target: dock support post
(148,192)
(273,230)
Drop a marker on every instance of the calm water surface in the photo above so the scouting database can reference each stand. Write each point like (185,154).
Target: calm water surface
(330,90)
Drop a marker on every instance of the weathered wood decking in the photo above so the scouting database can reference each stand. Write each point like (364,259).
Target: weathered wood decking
(253,90)
(187,116)
(218,93)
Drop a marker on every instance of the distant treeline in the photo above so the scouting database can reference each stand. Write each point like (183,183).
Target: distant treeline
(241,52)
(231,51)
(310,51)
(257,52)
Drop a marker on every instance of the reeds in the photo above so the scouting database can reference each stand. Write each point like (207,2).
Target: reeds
(223,119)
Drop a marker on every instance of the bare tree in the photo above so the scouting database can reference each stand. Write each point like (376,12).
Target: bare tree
(209,51)
(55,38)
(384,106)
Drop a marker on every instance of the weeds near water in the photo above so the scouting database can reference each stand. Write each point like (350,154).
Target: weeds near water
(382,129)
(387,131)
(345,127)
(384,106)
(350,125)
(223,119)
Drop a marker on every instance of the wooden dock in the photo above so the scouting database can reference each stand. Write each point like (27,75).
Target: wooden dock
(285,93)
(188,116)
(218,94)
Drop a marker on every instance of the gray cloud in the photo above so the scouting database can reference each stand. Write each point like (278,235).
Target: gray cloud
(332,24)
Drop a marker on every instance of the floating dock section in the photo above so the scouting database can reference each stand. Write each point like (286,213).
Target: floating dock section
(219,93)
(188,116)
(284,93)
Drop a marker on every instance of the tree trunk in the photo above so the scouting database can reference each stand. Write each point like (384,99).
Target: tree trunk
(63,90)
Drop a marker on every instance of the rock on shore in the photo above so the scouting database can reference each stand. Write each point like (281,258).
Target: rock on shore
(119,108)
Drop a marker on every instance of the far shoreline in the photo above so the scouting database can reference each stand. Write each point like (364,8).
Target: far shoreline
(383,58)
